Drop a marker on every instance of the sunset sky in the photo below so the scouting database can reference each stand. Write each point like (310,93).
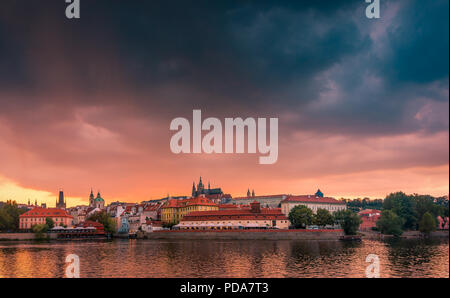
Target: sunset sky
(363,104)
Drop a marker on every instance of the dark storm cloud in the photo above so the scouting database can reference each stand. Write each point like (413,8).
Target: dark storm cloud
(257,56)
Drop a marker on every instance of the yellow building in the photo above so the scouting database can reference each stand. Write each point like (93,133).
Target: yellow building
(174,210)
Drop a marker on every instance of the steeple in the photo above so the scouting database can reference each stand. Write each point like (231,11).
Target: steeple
(248,192)
(253,192)
(193,189)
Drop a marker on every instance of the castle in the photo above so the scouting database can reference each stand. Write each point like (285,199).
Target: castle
(201,190)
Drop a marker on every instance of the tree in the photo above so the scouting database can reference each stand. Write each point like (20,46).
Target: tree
(39,230)
(390,223)
(9,216)
(348,220)
(103,218)
(323,217)
(428,223)
(404,206)
(49,222)
(301,216)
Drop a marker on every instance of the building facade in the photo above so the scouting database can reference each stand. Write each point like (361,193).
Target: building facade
(272,201)
(369,219)
(254,217)
(313,202)
(38,215)
(174,210)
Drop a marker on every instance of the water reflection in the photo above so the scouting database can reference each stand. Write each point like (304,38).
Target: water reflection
(201,258)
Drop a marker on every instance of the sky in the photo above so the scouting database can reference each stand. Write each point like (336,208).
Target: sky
(363,104)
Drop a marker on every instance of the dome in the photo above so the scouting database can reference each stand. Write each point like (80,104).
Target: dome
(98,198)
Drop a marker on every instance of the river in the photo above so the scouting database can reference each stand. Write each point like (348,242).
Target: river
(207,258)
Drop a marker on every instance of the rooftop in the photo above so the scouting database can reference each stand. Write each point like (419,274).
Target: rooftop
(312,199)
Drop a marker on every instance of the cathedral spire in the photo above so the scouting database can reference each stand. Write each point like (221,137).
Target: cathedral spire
(193,189)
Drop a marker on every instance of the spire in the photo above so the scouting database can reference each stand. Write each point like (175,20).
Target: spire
(209,186)
(193,189)
(248,192)
(253,192)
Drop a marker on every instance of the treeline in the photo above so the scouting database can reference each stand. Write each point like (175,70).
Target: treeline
(9,216)
(402,212)
(359,204)
(302,216)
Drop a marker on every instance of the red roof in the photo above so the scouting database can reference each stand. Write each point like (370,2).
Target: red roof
(228,206)
(312,199)
(155,223)
(153,207)
(45,212)
(369,211)
(265,213)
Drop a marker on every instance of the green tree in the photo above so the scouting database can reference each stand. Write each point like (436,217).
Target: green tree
(49,222)
(404,206)
(323,217)
(103,218)
(39,230)
(9,216)
(348,220)
(301,216)
(390,223)
(428,223)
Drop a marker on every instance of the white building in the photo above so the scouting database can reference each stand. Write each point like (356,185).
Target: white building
(313,202)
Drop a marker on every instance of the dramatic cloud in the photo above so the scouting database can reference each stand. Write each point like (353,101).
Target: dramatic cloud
(88,102)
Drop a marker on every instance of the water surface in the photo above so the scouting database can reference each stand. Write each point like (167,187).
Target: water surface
(207,258)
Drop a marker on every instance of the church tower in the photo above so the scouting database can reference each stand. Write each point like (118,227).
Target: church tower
(61,204)
(91,199)
(194,192)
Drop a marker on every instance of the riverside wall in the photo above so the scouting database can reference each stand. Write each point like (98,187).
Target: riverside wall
(23,236)
(246,235)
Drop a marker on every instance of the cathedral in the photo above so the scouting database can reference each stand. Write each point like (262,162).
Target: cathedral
(96,202)
(201,190)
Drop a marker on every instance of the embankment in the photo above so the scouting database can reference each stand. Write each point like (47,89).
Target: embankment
(23,236)
(247,235)
(406,235)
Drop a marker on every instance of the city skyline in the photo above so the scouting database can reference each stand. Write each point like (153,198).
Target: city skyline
(362,104)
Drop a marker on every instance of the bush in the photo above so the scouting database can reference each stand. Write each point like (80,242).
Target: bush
(427,224)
